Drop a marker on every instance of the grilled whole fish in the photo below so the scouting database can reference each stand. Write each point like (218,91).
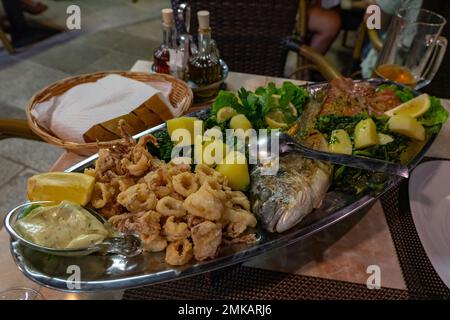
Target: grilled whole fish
(281,201)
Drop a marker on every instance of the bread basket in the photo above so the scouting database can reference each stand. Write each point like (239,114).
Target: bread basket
(181,98)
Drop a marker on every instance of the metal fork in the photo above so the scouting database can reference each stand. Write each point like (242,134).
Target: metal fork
(287,144)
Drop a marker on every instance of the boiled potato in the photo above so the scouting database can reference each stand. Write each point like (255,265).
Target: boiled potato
(215,132)
(198,149)
(235,168)
(187,123)
(240,121)
(214,152)
(365,134)
(340,142)
(407,126)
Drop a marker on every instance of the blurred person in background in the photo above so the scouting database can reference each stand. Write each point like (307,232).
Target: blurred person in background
(324,21)
(33,7)
(20,30)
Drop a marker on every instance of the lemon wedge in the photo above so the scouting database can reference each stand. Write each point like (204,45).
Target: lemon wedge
(407,126)
(413,108)
(225,113)
(290,105)
(275,120)
(58,186)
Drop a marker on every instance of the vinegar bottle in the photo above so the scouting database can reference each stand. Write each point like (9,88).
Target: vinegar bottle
(161,56)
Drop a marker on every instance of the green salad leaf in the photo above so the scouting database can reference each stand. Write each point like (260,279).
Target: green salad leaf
(298,96)
(28,210)
(257,105)
(435,117)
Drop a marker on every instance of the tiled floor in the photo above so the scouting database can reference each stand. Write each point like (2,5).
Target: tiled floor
(115,33)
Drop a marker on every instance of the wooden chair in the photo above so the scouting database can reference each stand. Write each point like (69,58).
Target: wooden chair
(16,128)
(254,36)
(361,35)
(6,42)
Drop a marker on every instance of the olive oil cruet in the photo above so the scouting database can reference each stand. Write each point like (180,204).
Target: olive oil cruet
(204,67)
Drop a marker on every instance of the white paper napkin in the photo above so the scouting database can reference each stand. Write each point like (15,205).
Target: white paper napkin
(70,115)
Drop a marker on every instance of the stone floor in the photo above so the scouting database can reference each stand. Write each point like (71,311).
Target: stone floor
(114,34)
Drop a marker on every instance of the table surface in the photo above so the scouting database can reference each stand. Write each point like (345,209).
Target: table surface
(342,252)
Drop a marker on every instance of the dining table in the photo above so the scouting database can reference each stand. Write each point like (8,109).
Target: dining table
(338,262)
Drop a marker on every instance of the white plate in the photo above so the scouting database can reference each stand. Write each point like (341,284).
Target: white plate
(429,196)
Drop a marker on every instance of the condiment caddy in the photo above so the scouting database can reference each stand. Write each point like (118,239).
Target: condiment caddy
(197,64)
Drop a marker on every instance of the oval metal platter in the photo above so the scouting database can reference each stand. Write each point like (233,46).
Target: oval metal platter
(112,272)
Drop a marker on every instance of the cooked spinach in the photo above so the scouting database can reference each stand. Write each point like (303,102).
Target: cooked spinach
(165,145)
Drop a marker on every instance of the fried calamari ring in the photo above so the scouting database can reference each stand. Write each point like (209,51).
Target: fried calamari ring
(137,168)
(185,183)
(179,252)
(137,198)
(204,204)
(123,183)
(215,188)
(207,237)
(90,172)
(238,199)
(145,223)
(169,206)
(102,194)
(111,210)
(205,173)
(177,168)
(235,215)
(159,182)
(138,160)
(153,243)
(174,231)
(235,229)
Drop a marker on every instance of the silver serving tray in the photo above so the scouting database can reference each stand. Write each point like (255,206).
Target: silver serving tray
(118,272)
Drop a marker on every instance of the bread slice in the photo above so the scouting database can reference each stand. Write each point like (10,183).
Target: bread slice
(151,113)
(156,105)
(147,116)
(112,126)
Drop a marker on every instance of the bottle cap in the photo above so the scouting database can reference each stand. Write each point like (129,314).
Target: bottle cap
(203,19)
(167,17)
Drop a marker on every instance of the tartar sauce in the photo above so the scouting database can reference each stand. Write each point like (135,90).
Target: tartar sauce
(64,226)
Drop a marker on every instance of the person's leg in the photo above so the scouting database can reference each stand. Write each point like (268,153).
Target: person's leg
(22,33)
(325,25)
(33,7)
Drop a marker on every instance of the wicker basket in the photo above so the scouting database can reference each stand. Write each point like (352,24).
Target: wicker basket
(181,98)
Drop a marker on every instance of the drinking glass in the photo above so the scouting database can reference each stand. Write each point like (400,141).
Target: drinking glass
(21,293)
(413,49)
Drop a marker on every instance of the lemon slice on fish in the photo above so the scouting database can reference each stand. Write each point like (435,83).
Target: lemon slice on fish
(225,113)
(413,108)
(59,186)
(275,120)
